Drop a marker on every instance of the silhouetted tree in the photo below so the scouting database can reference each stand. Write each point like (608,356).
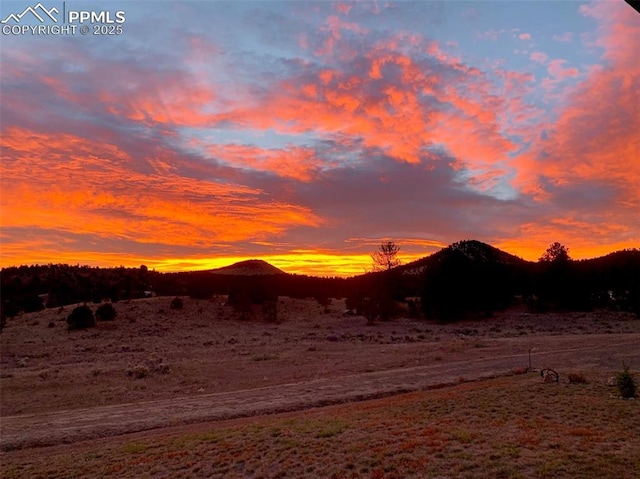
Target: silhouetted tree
(386,256)
(380,300)
(556,253)
(562,283)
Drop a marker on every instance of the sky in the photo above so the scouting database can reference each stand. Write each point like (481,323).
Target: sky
(306,133)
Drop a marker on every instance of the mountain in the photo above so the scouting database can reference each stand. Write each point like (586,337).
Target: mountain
(473,250)
(250,267)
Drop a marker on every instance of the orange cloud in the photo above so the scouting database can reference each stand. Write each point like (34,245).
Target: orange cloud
(67,183)
(294,162)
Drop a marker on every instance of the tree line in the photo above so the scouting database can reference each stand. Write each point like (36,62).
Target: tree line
(468,278)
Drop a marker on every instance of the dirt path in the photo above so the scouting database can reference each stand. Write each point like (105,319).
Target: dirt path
(563,353)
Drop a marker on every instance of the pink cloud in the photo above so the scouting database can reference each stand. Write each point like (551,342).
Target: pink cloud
(386,104)
(556,69)
(539,57)
(595,137)
(343,8)
(524,36)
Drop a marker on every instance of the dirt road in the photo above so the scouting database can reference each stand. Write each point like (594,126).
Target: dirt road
(597,352)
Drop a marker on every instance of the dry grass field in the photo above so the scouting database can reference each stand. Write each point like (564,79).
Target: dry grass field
(510,427)
(169,370)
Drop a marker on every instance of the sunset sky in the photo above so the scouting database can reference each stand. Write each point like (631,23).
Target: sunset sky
(305,133)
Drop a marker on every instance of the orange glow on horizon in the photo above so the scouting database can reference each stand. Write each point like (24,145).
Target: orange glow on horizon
(322,264)
(533,251)
(303,262)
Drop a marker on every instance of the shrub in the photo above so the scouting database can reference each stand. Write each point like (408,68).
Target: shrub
(577,378)
(625,383)
(81,318)
(106,312)
(380,306)
(270,311)
(324,302)
(176,303)
(354,304)
(154,365)
(139,371)
(240,300)
(8,309)
(414,308)
(32,304)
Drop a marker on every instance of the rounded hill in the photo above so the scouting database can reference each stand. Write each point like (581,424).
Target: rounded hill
(249,268)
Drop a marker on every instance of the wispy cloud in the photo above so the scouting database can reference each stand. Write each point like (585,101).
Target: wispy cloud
(564,37)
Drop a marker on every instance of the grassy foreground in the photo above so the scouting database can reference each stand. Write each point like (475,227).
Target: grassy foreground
(513,427)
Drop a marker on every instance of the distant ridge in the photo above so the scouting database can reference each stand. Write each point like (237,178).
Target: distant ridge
(250,267)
